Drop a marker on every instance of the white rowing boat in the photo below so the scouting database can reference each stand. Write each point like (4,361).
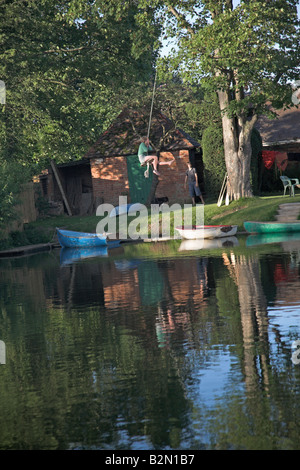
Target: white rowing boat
(197,232)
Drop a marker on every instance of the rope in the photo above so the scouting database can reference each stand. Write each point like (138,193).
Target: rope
(146,173)
(150,118)
(223,189)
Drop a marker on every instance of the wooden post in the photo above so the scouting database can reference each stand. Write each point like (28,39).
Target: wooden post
(222,192)
(54,168)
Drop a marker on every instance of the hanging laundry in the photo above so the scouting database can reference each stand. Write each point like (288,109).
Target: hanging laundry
(268,157)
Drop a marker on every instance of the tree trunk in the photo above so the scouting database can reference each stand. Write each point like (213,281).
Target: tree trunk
(237,150)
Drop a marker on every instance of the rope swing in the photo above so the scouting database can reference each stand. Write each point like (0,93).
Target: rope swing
(151,110)
(146,174)
(143,152)
(222,192)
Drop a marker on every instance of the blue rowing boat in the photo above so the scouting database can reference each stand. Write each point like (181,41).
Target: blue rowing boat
(70,239)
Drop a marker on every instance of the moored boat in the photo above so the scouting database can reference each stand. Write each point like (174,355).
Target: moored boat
(197,232)
(272,227)
(70,239)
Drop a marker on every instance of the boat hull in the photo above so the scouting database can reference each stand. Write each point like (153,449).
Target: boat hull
(272,227)
(70,239)
(199,232)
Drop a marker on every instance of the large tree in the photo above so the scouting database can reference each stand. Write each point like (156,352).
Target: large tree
(248,53)
(65,65)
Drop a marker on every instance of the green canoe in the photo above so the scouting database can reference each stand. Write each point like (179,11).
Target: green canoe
(272,227)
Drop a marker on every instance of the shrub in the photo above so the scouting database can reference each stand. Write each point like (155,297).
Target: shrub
(213,159)
(12,176)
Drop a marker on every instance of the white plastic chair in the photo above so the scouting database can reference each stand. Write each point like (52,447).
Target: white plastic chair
(288,184)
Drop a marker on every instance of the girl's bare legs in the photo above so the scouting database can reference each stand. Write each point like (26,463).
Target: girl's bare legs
(169,162)
(154,161)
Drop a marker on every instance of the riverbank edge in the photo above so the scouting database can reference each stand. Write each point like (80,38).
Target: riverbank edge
(257,208)
(42,247)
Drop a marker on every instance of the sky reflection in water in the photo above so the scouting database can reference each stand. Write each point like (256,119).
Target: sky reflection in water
(150,346)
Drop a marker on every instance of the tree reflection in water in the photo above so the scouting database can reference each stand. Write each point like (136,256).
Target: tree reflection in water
(254,319)
(115,352)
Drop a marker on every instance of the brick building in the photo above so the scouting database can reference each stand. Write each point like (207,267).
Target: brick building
(115,168)
(111,168)
(281,139)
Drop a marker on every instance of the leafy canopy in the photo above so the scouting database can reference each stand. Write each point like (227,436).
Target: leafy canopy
(253,47)
(65,65)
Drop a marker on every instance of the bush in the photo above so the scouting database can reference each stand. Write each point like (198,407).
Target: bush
(12,176)
(213,159)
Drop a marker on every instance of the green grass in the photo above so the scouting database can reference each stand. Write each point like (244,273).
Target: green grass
(256,209)
(236,213)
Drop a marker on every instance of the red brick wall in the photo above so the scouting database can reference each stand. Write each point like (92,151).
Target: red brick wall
(110,178)
(171,181)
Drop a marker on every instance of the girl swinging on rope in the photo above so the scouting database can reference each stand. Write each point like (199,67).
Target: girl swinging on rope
(144,157)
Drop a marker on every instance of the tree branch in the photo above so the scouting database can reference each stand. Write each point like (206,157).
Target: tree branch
(180,17)
(57,82)
(76,49)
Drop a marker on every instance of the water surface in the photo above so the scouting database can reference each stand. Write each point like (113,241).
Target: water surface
(151,346)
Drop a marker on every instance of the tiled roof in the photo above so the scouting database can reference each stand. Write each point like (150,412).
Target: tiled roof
(123,136)
(284,128)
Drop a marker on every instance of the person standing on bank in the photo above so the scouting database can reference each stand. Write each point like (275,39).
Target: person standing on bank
(144,157)
(192,178)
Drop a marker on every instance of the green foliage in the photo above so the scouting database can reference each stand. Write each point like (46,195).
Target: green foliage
(65,66)
(253,47)
(12,175)
(70,66)
(212,144)
(182,103)
(213,159)
(248,53)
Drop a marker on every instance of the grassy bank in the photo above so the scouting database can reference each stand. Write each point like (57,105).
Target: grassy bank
(237,212)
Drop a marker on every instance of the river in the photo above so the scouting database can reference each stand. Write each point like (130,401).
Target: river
(152,346)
